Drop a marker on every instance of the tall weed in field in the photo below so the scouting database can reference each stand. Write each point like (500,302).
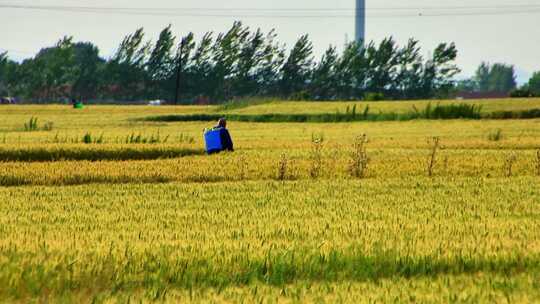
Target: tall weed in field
(359,157)
(142,139)
(446,164)
(57,139)
(538,162)
(48,126)
(495,135)
(88,138)
(282,167)
(317,142)
(365,114)
(184,138)
(435,143)
(243,166)
(509,164)
(31,125)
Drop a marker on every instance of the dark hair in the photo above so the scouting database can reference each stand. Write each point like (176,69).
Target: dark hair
(222,122)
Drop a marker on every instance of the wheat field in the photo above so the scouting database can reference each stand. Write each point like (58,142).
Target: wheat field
(99,206)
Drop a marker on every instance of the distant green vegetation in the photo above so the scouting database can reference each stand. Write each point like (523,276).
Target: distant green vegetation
(92,153)
(403,106)
(524,114)
(452,111)
(243,103)
(215,68)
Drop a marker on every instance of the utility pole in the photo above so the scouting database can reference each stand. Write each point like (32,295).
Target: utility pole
(178,74)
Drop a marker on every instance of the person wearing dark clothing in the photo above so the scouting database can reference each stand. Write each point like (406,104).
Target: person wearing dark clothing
(218,138)
(226,139)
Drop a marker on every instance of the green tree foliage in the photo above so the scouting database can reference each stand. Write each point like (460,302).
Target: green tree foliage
(3,74)
(182,78)
(271,58)
(202,66)
(534,84)
(440,71)
(482,77)
(239,62)
(324,76)
(382,62)
(502,78)
(160,65)
(466,85)
(351,72)
(51,74)
(227,51)
(250,57)
(498,77)
(297,68)
(88,71)
(408,81)
(125,72)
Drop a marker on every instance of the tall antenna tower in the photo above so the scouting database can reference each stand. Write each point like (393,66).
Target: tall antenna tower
(360,33)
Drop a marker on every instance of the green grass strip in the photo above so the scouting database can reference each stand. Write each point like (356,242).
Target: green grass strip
(93,154)
(25,274)
(437,113)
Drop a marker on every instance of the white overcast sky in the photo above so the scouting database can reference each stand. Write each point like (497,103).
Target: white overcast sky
(501,37)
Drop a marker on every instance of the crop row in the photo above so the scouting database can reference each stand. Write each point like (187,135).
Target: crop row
(260,165)
(215,236)
(59,152)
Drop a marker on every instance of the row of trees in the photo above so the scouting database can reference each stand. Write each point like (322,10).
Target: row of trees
(240,62)
(534,84)
(489,78)
(529,89)
(500,78)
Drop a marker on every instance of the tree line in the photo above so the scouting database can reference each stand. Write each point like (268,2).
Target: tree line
(238,63)
(499,78)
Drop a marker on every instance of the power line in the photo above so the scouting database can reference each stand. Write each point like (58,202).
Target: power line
(326,9)
(193,12)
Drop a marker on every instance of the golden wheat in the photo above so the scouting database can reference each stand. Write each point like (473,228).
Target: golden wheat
(116,222)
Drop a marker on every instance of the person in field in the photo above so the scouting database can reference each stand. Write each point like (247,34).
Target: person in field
(226,139)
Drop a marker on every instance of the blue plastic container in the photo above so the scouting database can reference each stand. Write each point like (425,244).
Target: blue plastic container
(213,142)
